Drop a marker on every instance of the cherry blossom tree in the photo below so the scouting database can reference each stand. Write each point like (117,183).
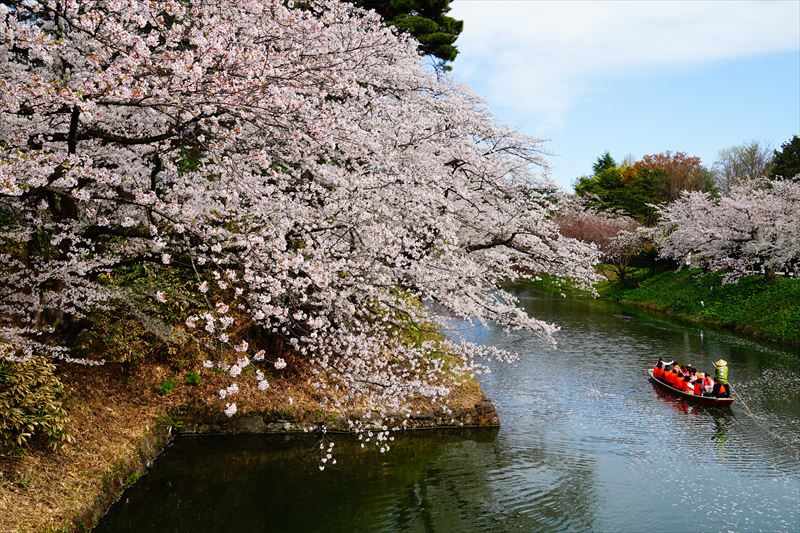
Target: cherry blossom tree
(750,229)
(296,164)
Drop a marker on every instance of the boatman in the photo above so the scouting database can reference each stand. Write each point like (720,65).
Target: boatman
(722,389)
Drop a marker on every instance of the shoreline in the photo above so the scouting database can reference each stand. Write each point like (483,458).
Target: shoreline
(655,308)
(755,306)
(759,308)
(121,425)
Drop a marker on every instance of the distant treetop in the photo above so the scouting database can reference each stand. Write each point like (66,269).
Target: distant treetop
(786,161)
(749,162)
(636,187)
(604,162)
(425,20)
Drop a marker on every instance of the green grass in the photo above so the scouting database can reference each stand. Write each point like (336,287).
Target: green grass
(548,284)
(768,308)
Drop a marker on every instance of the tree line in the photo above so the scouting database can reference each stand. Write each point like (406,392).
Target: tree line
(636,188)
(738,215)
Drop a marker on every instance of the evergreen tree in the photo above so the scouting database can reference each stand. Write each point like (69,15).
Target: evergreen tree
(604,162)
(627,189)
(425,20)
(786,161)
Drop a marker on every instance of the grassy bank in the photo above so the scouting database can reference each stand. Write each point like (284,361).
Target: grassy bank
(549,284)
(758,306)
(766,308)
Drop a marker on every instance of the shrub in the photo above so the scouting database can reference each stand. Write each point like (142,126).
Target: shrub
(192,378)
(30,405)
(167,385)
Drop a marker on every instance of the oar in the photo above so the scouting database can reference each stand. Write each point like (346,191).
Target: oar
(743,402)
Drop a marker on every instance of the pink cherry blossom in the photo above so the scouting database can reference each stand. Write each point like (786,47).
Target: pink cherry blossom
(752,229)
(298,165)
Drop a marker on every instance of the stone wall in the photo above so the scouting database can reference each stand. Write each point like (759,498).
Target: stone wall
(202,421)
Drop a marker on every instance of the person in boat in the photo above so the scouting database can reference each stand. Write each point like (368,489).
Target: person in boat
(658,371)
(665,375)
(673,379)
(686,385)
(667,371)
(721,385)
(708,385)
(678,372)
(697,385)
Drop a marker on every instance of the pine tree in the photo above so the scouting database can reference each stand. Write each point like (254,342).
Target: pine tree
(604,162)
(786,161)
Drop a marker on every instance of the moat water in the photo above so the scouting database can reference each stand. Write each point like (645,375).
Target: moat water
(586,444)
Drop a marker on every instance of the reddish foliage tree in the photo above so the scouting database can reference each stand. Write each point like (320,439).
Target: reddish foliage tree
(681,172)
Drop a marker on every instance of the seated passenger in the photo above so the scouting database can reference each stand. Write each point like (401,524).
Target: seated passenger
(708,385)
(686,386)
(658,371)
(673,379)
(697,387)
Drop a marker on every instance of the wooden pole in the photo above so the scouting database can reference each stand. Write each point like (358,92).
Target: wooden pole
(743,402)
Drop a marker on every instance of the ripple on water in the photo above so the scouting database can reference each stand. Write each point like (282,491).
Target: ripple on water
(587,444)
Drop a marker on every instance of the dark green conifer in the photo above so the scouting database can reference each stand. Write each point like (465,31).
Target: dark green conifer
(426,20)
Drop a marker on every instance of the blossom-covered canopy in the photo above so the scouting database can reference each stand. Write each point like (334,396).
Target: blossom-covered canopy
(297,162)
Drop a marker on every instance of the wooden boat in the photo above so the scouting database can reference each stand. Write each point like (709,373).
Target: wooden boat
(706,401)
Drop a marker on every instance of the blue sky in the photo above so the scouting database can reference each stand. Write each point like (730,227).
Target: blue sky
(634,77)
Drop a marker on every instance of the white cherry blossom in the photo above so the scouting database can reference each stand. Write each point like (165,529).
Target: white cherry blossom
(304,153)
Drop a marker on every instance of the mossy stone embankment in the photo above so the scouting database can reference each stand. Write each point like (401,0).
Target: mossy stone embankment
(482,414)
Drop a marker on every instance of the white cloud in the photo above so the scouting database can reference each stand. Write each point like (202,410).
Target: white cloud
(543,57)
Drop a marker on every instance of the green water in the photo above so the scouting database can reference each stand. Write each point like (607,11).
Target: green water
(587,444)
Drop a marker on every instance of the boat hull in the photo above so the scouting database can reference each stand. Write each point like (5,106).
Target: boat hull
(706,401)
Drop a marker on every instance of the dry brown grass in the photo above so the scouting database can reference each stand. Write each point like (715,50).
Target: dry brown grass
(108,417)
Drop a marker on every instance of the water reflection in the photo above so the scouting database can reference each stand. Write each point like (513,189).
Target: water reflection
(587,443)
(721,431)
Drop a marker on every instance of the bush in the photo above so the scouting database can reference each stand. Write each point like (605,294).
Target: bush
(167,386)
(30,405)
(192,378)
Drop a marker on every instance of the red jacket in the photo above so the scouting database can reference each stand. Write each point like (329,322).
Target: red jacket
(698,387)
(658,373)
(671,378)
